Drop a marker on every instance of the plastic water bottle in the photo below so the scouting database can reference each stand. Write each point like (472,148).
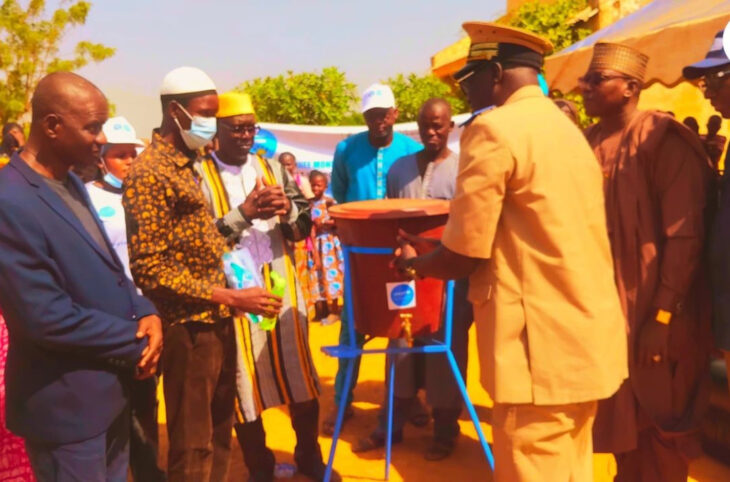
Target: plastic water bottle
(278,285)
(284,471)
(237,266)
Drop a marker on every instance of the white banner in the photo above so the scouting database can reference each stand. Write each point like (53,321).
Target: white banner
(314,146)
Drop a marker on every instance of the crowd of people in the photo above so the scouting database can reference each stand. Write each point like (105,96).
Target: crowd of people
(713,142)
(594,265)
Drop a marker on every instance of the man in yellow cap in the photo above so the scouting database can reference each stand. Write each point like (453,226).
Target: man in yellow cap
(258,209)
(656,180)
(527,225)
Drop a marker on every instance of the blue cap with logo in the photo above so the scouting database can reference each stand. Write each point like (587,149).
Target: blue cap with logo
(716,57)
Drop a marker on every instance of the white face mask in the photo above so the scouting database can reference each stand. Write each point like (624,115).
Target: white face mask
(202,130)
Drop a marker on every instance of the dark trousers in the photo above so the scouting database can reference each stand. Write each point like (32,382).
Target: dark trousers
(199,376)
(416,370)
(260,459)
(445,420)
(144,439)
(655,459)
(104,458)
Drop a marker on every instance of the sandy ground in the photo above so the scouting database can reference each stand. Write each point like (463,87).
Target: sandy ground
(466,464)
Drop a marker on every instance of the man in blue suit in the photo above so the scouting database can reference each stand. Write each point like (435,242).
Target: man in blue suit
(78,329)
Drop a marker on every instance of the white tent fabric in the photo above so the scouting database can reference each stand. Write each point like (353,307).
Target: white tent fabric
(673,33)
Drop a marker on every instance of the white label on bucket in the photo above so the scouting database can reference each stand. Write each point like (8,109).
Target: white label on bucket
(401,295)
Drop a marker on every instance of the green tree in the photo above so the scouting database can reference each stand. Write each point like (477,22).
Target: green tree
(307,98)
(412,91)
(557,21)
(29,49)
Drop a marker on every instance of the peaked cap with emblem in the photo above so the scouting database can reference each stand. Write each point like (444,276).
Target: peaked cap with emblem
(510,46)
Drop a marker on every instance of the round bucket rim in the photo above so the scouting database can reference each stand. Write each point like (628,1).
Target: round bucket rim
(390,209)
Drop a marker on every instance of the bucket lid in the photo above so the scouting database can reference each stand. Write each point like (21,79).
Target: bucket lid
(390,209)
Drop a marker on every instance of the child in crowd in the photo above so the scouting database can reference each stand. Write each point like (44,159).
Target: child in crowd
(327,284)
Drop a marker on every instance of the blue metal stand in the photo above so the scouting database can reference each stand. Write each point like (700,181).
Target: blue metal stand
(351,351)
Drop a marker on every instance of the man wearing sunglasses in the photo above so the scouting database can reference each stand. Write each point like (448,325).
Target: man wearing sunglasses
(527,226)
(656,182)
(713,73)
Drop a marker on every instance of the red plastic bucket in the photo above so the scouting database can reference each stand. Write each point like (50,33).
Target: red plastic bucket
(380,296)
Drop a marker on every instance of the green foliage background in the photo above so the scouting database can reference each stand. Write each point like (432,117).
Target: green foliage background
(29,49)
(329,98)
(307,98)
(412,91)
(553,20)
(556,22)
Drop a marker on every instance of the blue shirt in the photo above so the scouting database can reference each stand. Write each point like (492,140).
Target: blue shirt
(359,170)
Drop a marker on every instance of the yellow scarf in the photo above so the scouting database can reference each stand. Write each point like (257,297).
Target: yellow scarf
(221,207)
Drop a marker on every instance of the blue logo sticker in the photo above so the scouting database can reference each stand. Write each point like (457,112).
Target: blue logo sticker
(106,212)
(402,295)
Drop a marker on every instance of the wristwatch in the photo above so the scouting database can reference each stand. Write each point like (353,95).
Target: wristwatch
(663,317)
(409,270)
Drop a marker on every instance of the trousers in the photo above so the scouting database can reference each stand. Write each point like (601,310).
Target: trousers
(199,375)
(551,442)
(104,458)
(260,459)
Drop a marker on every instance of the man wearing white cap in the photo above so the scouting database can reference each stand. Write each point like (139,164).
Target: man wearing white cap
(175,257)
(360,166)
(106,197)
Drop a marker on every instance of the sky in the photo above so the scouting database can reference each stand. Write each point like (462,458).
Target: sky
(234,41)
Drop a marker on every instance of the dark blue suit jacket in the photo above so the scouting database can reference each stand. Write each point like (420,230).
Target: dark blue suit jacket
(71,315)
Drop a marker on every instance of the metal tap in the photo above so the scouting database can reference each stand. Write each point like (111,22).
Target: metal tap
(406,328)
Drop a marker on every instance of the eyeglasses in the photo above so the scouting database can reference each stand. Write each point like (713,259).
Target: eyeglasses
(241,129)
(596,78)
(713,81)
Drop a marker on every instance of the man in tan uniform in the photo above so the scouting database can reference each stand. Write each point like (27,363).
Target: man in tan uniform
(657,178)
(528,226)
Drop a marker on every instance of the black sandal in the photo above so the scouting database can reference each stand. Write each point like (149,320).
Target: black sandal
(439,450)
(328,425)
(374,441)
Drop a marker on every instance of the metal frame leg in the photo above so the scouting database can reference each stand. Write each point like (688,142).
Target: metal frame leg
(389,432)
(340,418)
(470,407)
(351,350)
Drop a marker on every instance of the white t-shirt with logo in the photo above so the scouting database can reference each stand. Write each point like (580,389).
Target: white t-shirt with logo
(108,206)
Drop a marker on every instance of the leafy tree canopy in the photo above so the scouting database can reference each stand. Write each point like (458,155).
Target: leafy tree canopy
(412,91)
(307,98)
(29,49)
(555,21)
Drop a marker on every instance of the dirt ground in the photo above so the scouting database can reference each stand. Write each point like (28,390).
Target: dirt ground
(466,464)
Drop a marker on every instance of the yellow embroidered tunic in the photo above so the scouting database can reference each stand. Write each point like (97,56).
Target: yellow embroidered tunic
(274,367)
